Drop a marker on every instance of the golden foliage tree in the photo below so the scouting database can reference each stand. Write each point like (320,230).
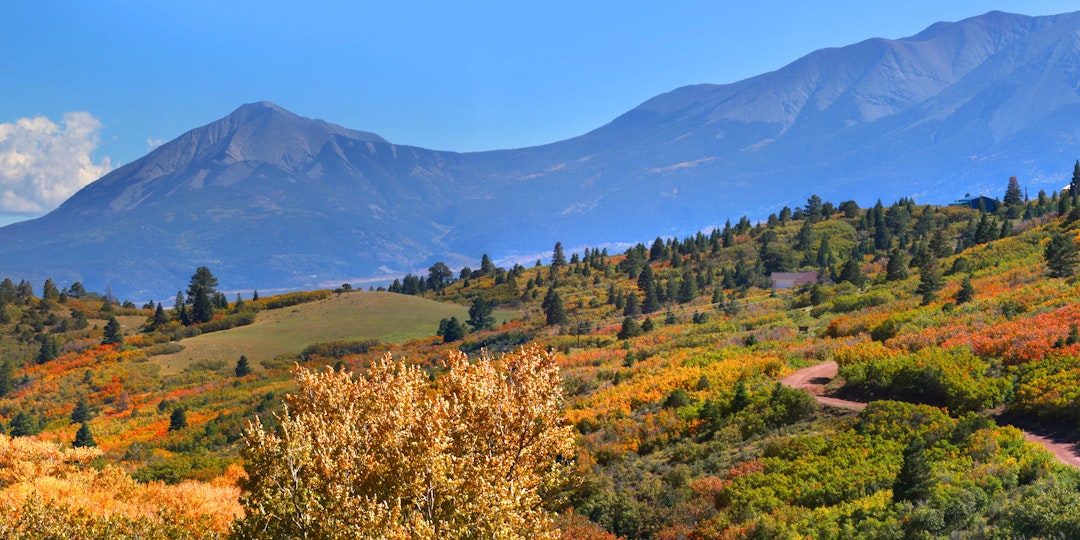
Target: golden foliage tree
(389,454)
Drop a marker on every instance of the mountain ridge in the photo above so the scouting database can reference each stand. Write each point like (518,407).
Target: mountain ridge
(272,199)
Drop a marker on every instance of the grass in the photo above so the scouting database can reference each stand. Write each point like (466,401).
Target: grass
(388,317)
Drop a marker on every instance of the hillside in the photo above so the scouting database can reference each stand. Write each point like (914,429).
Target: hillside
(276,201)
(951,324)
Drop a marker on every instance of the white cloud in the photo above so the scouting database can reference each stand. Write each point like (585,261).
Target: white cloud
(42,163)
(153,143)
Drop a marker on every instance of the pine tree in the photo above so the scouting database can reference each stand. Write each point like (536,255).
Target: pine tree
(23,426)
(480,314)
(558,258)
(553,308)
(50,349)
(113,333)
(1074,185)
(178,419)
(633,305)
(243,369)
(451,330)
(7,377)
(929,280)
(200,291)
(160,318)
(630,328)
(84,438)
(1013,194)
(913,483)
(896,269)
(851,272)
(966,292)
(1060,255)
(81,413)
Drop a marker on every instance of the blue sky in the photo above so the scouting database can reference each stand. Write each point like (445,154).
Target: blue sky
(89,86)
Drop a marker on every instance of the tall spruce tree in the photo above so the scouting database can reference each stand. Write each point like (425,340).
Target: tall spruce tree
(84,438)
(200,290)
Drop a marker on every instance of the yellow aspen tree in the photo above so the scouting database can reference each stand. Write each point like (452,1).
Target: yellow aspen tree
(390,454)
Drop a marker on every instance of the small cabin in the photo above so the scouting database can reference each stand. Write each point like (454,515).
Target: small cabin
(986,203)
(787,280)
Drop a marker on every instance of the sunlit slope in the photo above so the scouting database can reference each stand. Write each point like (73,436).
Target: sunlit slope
(384,316)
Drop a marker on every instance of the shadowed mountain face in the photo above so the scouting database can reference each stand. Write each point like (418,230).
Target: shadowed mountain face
(268,199)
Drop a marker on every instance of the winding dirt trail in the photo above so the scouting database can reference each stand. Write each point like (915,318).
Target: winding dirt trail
(814,378)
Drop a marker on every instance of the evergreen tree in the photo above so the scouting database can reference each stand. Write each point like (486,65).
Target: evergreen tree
(243,369)
(966,292)
(633,305)
(178,419)
(160,318)
(1060,255)
(558,258)
(741,397)
(1014,198)
(23,425)
(81,412)
(929,280)
(486,266)
(648,325)
(113,333)
(553,308)
(480,314)
(49,291)
(1074,185)
(255,295)
(630,328)
(84,438)
(914,482)
(687,288)
(7,377)
(652,300)
(851,272)
(439,275)
(201,289)
(896,269)
(50,349)
(451,330)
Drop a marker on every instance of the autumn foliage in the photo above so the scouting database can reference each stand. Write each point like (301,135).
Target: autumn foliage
(388,454)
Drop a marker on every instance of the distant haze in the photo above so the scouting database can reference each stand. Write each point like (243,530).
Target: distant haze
(270,199)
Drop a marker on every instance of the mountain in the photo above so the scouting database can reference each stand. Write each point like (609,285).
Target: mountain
(268,199)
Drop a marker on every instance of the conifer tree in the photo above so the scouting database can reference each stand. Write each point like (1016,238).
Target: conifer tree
(243,369)
(633,305)
(81,413)
(480,314)
(553,308)
(929,280)
(896,269)
(84,438)
(630,328)
(113,333)
(966,292)
(178,419)
(558,258)
(160,318)
(1060,255)
(49,350)
(200,291)
(1074,184)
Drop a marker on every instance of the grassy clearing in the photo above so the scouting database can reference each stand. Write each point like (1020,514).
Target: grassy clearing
(387,317)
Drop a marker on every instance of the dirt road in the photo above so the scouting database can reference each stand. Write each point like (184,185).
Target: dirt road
(814,378)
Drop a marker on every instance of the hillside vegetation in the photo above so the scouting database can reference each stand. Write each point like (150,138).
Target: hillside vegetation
(951,322)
